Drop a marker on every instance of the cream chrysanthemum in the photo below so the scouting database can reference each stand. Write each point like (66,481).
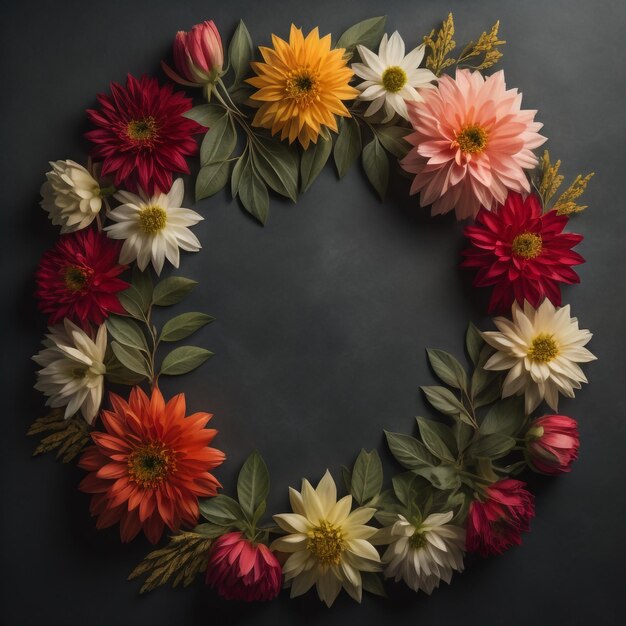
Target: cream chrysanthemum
(301,86)
(423,554)
(153,229)
(71,196)
(328,544)
(72,374)
(390,77)
(540,348)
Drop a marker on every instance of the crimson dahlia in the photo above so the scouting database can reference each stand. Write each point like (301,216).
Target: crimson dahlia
(242,570)
(142,136)
(496,521)
(77,278)
(522,252)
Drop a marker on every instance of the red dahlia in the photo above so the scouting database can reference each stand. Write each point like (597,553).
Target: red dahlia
(522,252)
(150,466)
(496,522)
(142,136)
(77,278)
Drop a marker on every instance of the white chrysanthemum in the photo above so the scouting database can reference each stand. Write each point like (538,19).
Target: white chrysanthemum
(72,374)
(540,348)
(154,228)
(328,543)
(71,196)
(425,554)
(390,78)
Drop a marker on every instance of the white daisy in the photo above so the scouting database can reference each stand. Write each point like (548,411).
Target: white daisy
(328,544)
(72,373)
(71,196)
(390,78)
(154,228)
(541,349)
(425,553)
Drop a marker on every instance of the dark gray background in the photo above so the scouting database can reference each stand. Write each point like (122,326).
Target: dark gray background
(323,316)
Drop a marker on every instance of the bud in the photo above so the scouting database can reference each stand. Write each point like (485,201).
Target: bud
(552,444)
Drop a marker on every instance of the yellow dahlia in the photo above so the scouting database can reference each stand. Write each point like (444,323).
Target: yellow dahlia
(301,85)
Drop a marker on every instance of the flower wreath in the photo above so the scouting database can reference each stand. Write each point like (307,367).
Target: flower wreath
(468,145)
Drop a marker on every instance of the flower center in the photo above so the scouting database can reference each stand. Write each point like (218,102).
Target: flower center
(543,348)
(326,543)
(472,139)
(302,85)
(142,131)
(417,540)
(152,219)
(76,278)
(394,78)
(527,245)
(150,465)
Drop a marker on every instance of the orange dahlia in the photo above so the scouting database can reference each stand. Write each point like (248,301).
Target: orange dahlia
(301,86)
(150,466)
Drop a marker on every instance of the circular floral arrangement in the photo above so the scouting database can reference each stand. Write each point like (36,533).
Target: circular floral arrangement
(272,124)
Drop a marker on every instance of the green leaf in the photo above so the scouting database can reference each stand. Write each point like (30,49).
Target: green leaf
(130,358)
(367,476)
(347,145)
(211,179)
(117,374)
(373,583)
(142,282)
(277,164)
(219,142)
(172,290)
(240,92)
(205,114)
(485,385)
(127,332)
(393,139)
(240,52)
(405,487)
(184,359)
(313,160)
(221,510)
(346,474)
(438,438)
(441,477)
(132,301)
(253,484)
(506,417)
(447,368)
(474,343)
(367,33)
(376,165)
(211,531)
(492,446)
(446,402)
(251,189)
(184,325)
(408,451)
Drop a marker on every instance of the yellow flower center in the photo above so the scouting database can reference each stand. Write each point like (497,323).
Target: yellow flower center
(527,245)
(543,348)
(302,85)
(142,131)
(394,78)
(472,139)
(326,543)
(417,540)
(76,278)
(152,219)
(150,464)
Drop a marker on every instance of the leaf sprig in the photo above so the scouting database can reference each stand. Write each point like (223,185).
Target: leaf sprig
(67,436)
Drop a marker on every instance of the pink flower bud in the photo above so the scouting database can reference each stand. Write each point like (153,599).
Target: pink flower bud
(552,444)
(198,56)
(242,570)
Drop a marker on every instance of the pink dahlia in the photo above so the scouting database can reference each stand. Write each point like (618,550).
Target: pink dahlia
(552,444)
(472,143)
(142,136)
(496,521)
(522,252)
(78,278)
(242,570)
